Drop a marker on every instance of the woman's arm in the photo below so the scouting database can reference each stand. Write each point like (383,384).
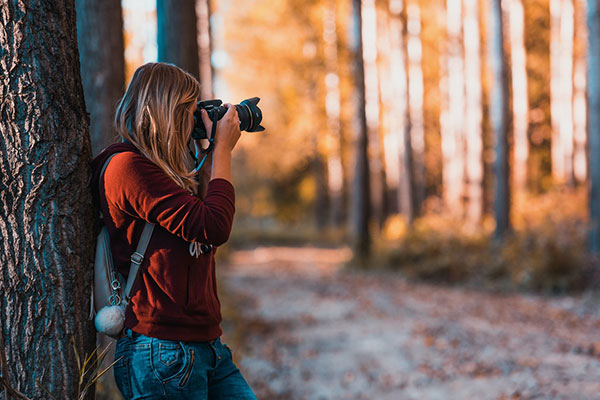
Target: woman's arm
(226,136)
(138,187)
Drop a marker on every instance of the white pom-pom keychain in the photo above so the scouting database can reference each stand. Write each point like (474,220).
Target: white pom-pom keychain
(110,319)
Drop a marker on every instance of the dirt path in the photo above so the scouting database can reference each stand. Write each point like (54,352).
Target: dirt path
(315,331)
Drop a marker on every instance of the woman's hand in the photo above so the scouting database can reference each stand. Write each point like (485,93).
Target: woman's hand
(228,128)
(226,136)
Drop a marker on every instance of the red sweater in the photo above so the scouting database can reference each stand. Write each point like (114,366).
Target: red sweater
(175,296)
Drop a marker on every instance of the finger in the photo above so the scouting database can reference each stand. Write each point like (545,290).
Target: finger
(231,111)
(205,119)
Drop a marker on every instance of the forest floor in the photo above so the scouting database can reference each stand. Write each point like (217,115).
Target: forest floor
(305,327)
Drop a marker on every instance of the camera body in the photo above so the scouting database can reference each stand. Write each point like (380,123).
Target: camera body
(249,114)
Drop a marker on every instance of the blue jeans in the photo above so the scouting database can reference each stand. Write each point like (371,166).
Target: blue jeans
(150,368)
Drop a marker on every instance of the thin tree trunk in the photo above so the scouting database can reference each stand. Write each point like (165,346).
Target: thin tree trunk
(579,89)
(399,142)
(100,37)
(377,172)
(593,123)
(335,170)
(519,94)
(452,111)
(473,114)
(205,48)
(561,89)
(177,34)
(499,118)
(361,239)
(46,213)
(415,101)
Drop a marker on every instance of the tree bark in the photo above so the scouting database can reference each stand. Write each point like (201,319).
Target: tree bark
(177,34)
(579,90)
(100,38)
(593,124)
(499,118)
(361,238)
(46,213)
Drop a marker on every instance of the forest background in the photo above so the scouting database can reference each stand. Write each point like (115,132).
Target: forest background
(455,141)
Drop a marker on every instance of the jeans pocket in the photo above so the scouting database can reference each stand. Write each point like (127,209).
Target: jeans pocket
(168,359)
(122,378)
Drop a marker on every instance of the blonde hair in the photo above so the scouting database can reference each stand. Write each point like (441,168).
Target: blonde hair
(156,116)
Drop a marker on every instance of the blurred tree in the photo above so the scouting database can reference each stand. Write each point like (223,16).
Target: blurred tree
(100,38)
(205,48)
(361,238)
(520,97)
(499,117)
(473,114)
(579,89)
(398,146)
(177,34)
(372,110)
(334,140)
(561,89)
(414,52)
(46,213)
(593,126)
(452,110)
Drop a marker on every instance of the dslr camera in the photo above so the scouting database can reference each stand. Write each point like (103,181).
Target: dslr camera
(248,112)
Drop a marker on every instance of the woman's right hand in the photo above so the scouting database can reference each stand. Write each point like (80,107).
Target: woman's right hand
(228,129)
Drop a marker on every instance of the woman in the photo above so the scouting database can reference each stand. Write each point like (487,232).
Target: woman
(170,347)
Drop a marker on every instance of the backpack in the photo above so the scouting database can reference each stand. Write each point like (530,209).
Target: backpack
(110,292)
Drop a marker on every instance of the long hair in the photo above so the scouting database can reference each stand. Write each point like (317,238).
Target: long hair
(156,116)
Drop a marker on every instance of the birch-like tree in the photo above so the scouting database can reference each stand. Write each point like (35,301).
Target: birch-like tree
(333,143)
(452,110)
(561,89)
(46,213)
(520,102)
(473,114)
(204,48)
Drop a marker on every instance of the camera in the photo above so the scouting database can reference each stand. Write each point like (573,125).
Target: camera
(248,112)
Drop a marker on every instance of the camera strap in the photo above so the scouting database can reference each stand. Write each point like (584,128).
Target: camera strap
(211,144)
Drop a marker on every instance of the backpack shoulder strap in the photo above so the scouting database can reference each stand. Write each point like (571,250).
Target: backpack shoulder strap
(138,255)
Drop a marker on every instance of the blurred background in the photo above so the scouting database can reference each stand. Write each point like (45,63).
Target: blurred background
(445,141)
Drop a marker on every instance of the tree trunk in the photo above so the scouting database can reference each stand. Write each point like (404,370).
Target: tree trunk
(414,51)
(177,34)
(499,118)
(519,94)
(333,145)
(452,111)
(377,172)
(361,238)
(399,145)
(593,123)
(46,217)
(100,37)
(579,89)
(561,89)
(473,114)
(205,48)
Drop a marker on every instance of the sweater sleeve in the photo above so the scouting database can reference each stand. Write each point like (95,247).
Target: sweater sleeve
(138,187)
